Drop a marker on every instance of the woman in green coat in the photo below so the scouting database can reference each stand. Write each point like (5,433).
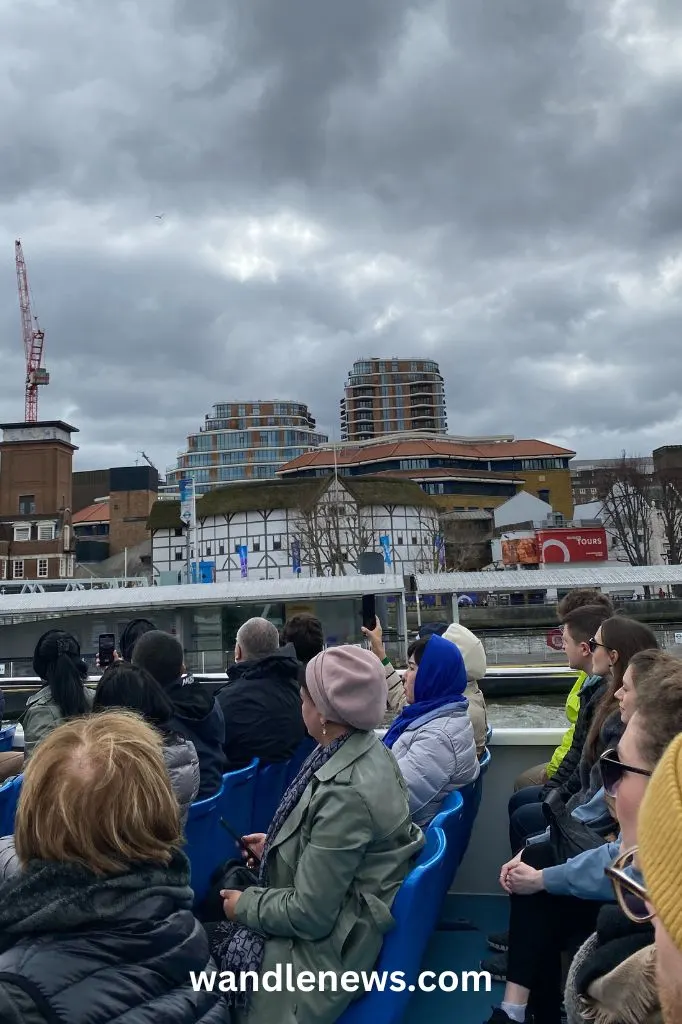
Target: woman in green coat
(341,843)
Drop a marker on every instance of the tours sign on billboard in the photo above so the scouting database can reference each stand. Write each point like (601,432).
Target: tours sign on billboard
(582,545)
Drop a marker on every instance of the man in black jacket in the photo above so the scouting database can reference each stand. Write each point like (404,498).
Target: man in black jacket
(261,702)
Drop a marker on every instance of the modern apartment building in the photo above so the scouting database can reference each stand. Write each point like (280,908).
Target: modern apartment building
(389,396)
(245,441)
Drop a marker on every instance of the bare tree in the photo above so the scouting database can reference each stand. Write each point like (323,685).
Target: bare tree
(668,501)
(467,548)
(333,533)
(626,492)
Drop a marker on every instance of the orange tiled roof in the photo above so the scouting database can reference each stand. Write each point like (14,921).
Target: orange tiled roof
(97,513)
(414,449)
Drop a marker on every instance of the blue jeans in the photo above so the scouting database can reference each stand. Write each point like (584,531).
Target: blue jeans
(526,817)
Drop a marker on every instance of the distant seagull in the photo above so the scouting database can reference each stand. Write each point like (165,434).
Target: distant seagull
(160,216)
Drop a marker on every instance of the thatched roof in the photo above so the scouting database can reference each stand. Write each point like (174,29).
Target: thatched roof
(290,494)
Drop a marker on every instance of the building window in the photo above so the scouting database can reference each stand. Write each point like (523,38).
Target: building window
(277,543)
(221,549)
(62,567)
(543,495)
(178,531)
(70,565)
(400,538)
(18,569)
(22,533)
(414,538)
(27,504)
(178,554)
(209,550)
(45,531)
(42,568)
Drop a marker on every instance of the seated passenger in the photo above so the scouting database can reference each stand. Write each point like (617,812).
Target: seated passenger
(57,661)
(542,773)
(196,714)
(339,847)
(476,665)
(261,701)
(554,909)
(659,834)
(471,650)
(130,634)
(98,925)
(599,726)
(307,636)
(612,975)
(133,688)
(432,738)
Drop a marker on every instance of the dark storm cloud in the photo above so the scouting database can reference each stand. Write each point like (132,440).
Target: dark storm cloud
(492,185)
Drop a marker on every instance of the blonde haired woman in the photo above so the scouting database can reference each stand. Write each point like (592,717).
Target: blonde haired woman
(98,924)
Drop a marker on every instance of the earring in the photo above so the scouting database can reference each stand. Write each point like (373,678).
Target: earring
(324,729)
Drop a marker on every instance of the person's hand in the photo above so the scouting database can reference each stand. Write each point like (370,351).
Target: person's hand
(506,868)
(115,656)
(523,880)
(375,639)
(230,898)
(257,843)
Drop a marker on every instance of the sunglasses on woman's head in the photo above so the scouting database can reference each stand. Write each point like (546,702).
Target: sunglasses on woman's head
(612,771)
(632,896)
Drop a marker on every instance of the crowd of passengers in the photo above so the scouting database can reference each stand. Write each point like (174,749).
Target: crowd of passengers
(98,920)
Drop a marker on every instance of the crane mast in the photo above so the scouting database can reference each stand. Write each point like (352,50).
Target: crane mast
(36,375)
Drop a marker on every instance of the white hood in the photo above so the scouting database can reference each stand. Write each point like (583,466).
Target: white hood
(471,648)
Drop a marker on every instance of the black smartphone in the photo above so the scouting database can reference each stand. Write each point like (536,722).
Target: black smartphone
(107,646)
(369,612)
(239,841)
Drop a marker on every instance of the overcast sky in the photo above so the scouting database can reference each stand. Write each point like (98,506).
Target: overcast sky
(495,185)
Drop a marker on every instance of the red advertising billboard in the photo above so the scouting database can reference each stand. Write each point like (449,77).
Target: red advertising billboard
(582,545)
(520,551)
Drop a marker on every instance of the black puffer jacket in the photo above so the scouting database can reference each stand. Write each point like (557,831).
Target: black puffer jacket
(567,778)
(199,718)
(89,950)
(262,708)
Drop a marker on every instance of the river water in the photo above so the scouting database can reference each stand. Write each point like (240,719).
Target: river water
(519,712)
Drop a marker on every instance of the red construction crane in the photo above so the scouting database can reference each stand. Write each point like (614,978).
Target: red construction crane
(36,375)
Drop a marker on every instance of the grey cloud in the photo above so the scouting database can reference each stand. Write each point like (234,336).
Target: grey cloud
(494,186)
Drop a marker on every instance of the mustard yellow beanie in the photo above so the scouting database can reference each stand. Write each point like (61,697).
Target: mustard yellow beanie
(659,836)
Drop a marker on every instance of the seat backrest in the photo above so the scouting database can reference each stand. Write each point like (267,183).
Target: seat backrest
(271,781)
(300,755)
(236,807)
(416,909)
(9,798)
(201,841)
(7,738)
(450,819)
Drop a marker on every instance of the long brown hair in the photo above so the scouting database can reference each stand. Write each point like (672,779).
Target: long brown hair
(626,637)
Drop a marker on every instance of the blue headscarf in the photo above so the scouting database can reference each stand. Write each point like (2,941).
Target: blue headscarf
(441,679)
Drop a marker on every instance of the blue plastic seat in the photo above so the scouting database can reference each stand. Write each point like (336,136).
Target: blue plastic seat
(201,834)
(271,781)
(9,798)
(7,738)
(415,909)
(296,761)
(236,807)
(450,820)
(471,795)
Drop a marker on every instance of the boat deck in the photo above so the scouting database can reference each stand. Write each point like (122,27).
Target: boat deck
(459,945)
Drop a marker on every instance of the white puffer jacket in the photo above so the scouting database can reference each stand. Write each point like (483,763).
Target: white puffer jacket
(476,665)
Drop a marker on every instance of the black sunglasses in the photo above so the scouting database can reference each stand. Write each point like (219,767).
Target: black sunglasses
(612,771)
(631,895)
(594,644)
